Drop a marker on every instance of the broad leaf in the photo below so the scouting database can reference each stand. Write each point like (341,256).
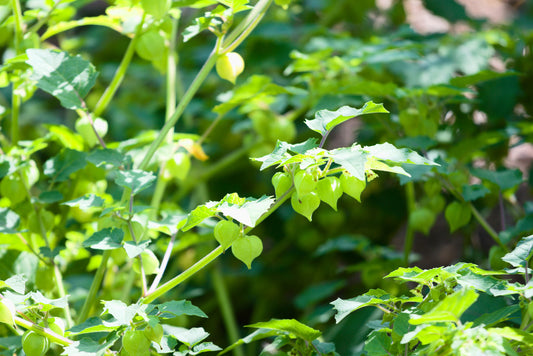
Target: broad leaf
(389,153)
(504,179)
(105,239)
(134,249)
(179,307)
(9,221)
(86,202)
(291,326)
(249,212)
(63,165)
(198,215)
(67,78)
(122,313)
(521,253)
(89,347)
(457,214)
(136,180)
(106,156)
(352,159)
(190,337)
(475,191)
(326,120)
(451,308)
(346,306)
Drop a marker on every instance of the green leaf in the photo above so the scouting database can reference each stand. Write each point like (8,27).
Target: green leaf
(91,325)
(89,347)
(326,120)
(249,212)
(47,304)
(204,347)
(346,306)
(259,334)
(198,215)
(457,214)
(51,196)
(136,180)
(281,154)
(352,159)
(481,76)
(190,337)
(505,179)
(475,191)
(378,343)
(63,165)
(16,282)
(387,152)
(451,308)
(522,252)
(179,307)
(86,202)
(291,326)
(105,239)
(134,249)
(123,314)
(9,221)
(102,156)
(498,316)
(67,78)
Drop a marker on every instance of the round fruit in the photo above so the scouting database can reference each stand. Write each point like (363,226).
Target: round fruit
(154,333)
(151,45)
(422,220)
(352,186)
(229,66)
(329,190)
(304,183)
(7,311)
(282,182)
(136,343)
(150,263)
(34,344)
(305,204)
(85,129)
(226,232)
(282,129)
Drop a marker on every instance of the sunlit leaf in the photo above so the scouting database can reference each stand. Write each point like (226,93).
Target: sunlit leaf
(521,253)
(451,308)
(136,180)
(63,165)
(249,212)
(291,326)
(105,239)
(346,306)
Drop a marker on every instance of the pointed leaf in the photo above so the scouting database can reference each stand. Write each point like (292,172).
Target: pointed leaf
(63,165)
(105,239)
(134,249)
(9,221)
(352,159)
(136,180)
(326,120)
(346,306)
(67,78)
(249,212)
(179,307)
(291,326)
(451,308)
(122,313)
(190,337)
(504,179)
(457,214)
(198,215)
(521,253)
(387,152)
(86,202)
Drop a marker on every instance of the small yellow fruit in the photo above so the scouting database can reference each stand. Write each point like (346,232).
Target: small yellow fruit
(229,66)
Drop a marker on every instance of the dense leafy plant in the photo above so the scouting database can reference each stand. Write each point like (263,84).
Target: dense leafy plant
(106,211)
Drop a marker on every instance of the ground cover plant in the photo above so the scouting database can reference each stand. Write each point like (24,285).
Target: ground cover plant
(263,178)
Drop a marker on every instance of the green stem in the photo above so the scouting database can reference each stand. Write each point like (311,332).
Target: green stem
(409,232)
(211,256)
(15,110)
(49,333)
(187,97)
(95,285)
(17,14)
(483,222)
(62,294)
(110,91)
(227,310)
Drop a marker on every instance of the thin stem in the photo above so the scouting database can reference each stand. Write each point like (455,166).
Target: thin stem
(49,333)
(19,30)
(62,294)
(164,264)
(15,111)
(481,220)
(95,285)
(211,256)
(409,232)
(323,140)
(502,213)
(226,308)
(209,129)
(110,91)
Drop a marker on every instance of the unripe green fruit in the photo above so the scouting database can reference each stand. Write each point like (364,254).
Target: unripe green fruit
(154,333)
(281,129)
(530,310)
(305,204)
(177,167)
(229,66)
(150,263)
(329,190)
(226,232)
(247,248)
(151,45)
(13,189)
(282,182)
(352,186)
(422,220)
(7,311)
(136,343)
(304,183)
(34,344)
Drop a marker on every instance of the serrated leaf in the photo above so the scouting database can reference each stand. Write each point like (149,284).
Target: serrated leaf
(198,215)
(280,155)
(105,239)
(346,306)
(521,253)
(505,179)
(458,215)
(179,307)
(17,283)
(136,180)
(122,313)
(450,309)
(352,159)
(86,202)
(291,326)
(91,325)
(9,221)
(190,337)
(67,78)
(89,347)
(47,304)
(134,249)
(326,120)
(64,164)
(475,191)
(204,347)
(106,156)
(249,212)
(387,152)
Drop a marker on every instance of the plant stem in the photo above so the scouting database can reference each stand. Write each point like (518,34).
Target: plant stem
(211,256)
(95,285)
(49,333)
(409,233)
(226,308)
(15,110)
(164,264)
(62,294)
(110,91)
(17,14)
(481,220)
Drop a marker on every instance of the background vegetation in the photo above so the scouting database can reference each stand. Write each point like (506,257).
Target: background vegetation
(460,98)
